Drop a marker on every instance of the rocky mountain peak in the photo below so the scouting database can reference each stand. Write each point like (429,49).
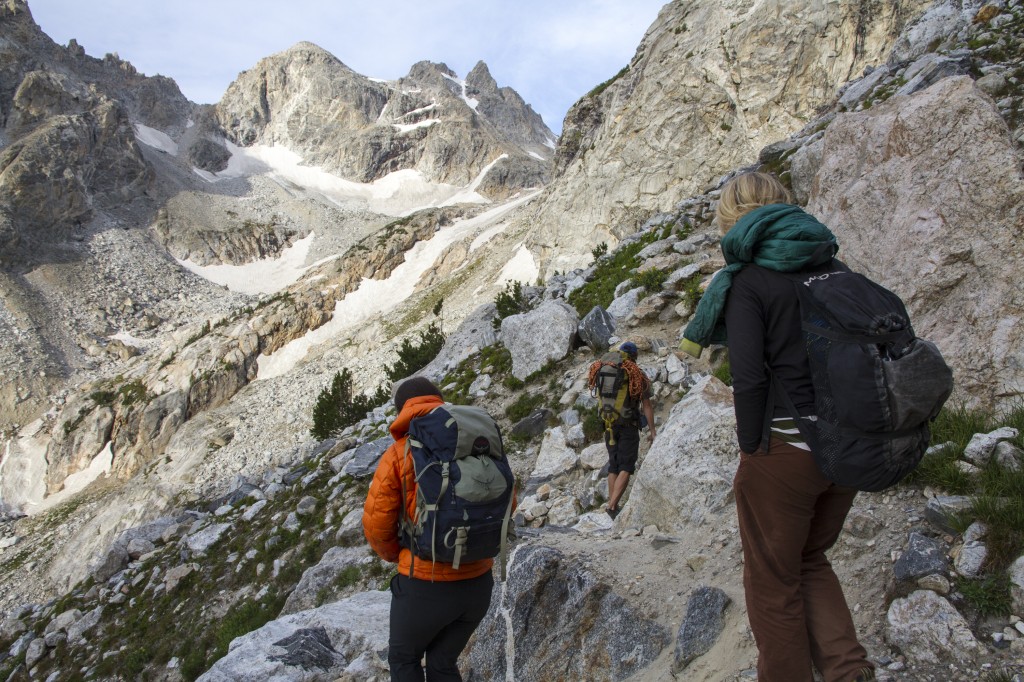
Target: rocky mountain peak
(309,52)
(362,129)
(426,71)
(479,79)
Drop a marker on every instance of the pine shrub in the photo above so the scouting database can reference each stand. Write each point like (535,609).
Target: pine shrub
(336,407)
(415,356)
(510,301)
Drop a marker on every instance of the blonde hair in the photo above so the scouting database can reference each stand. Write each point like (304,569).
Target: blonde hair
(746,192)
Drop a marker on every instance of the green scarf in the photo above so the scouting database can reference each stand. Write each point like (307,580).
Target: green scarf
(779,237)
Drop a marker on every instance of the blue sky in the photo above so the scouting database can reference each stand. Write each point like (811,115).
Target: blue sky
(550,51)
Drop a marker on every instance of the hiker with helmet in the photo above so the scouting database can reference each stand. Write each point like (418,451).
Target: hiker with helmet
(624,390)
(443,586)
(789,513)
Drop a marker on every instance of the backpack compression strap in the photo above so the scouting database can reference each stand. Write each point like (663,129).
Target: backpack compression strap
(610,416)
(433,508)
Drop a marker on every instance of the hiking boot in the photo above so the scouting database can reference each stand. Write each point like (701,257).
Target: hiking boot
(612,513)
(866,675)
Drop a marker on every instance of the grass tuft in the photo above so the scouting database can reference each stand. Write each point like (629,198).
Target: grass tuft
(997,499)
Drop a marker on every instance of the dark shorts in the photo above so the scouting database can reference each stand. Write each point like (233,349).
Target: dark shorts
(622,456)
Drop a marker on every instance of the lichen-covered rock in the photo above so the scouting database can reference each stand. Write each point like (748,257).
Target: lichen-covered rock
(112,561)
(315,645)
(596,328)
(923,556)
(981,446)
(364,460)
(316,585)
(556,456)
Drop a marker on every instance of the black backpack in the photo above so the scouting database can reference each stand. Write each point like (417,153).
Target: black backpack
(464,487)
(877,386)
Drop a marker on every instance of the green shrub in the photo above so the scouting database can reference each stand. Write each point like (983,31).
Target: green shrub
(690,289)
(990,596)
(997,499)
(336,407)
(604,86)
(997,676)
(940,471)
(510,301)
(415,356)
(1000,506)
(652,280)
(133,392)
(103,398)
(523,406)
(599,250)
(512,383)
(496,358)
(593,425)
(608,274)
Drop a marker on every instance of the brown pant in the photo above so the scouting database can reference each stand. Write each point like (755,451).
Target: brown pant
(789,516)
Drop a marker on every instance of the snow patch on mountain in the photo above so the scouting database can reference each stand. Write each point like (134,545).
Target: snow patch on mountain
(265,276)
(155,138)
(377,297)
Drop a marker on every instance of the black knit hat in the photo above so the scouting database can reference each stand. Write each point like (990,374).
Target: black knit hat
(413,388)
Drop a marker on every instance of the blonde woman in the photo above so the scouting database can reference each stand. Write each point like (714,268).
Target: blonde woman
(789,513)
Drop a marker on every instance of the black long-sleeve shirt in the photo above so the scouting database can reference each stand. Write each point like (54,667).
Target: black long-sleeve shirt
(762,318)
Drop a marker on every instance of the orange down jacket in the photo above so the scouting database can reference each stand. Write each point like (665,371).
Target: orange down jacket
(381,510)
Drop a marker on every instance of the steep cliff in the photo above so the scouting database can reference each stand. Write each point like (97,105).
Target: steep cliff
(710,84)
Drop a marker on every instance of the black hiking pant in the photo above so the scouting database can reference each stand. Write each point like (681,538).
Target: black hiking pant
(436,619)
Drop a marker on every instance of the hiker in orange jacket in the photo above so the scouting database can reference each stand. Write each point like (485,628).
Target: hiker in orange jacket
(435,610)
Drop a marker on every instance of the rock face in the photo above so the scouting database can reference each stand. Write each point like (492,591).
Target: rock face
(883,187)
(429,121)
(687,476)
(68,118)
(538,336)
(320,644)
(52,178)
(703,94)
(612,640)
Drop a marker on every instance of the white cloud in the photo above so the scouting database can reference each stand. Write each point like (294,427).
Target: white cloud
(551,53)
